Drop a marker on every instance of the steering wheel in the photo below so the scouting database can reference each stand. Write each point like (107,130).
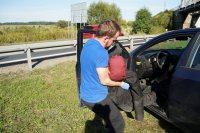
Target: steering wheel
(162,58)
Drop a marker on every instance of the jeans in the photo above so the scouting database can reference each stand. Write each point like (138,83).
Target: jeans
(107,110)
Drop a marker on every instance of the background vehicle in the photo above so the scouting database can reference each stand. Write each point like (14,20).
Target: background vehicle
(169,66)
(90,35)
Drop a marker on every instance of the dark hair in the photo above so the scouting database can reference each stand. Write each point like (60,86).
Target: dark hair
(108,28)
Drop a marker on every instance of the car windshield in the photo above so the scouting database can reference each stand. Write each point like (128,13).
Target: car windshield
(171,44)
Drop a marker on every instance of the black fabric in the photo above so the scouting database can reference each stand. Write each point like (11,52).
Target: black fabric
(127,100)
(110,113)
(124,99)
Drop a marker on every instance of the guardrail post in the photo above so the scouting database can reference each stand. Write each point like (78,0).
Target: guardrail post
(131,46)
(145,39)
(28,53)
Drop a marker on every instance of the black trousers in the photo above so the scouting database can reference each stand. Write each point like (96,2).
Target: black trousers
(107,110)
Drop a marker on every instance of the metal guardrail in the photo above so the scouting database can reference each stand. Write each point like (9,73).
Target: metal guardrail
(127,41)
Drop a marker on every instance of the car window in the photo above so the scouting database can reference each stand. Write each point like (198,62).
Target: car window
(196,60)
(88,27)
(173,43)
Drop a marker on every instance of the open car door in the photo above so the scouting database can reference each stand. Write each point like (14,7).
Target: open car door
(79,48)
(127,101)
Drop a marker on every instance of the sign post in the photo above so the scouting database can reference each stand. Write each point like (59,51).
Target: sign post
(79,15)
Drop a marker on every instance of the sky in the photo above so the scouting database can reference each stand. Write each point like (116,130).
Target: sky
(55,10)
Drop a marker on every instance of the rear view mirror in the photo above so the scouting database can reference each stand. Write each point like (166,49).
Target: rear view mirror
(181,38)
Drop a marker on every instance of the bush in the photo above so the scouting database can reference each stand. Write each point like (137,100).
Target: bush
(164,19)
(100,11)
(156,30)
(23,34)
(143,21)
(62,24)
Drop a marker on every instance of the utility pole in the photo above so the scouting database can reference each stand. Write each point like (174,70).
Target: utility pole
(164,4)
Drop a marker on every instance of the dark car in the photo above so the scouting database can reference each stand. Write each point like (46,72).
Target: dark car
(168,70)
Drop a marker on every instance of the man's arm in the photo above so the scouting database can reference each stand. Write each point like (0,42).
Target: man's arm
(104,78)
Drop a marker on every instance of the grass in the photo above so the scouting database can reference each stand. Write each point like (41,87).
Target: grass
(170,45)
(17,34)
(46,101)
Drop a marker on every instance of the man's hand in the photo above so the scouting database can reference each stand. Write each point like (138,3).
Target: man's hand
(105,79)
(125,85)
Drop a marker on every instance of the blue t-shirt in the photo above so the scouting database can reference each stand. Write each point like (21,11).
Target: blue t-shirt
(93,56)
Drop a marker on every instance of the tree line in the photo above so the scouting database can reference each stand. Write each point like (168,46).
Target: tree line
(29,23)
(144,23)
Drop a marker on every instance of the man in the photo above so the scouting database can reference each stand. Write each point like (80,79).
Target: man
(95,76)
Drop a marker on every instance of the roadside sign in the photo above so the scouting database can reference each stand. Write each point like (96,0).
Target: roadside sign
(79,13)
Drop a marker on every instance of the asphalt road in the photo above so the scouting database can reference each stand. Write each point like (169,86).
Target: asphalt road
(37,54)
(41,54)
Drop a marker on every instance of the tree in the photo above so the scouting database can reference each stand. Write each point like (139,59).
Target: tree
(164,19)
(143,21)
(62,24)
(101,11)
(130,23)
(123,23)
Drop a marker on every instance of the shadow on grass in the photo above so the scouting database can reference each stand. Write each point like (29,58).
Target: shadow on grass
(37,63)
(168,127)
(95,126)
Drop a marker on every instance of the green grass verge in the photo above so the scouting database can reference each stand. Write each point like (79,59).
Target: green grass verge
(12,35)
(46,101)
(170,45)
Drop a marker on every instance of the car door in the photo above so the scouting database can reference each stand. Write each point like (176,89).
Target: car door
(80,44)
(184,93)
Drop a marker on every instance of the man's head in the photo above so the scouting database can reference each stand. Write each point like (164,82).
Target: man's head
(108,31)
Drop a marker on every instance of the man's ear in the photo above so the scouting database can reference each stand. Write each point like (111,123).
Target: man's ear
(105,39)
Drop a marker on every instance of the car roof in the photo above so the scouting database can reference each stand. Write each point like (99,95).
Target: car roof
(167,34)
(186,30)
(179,32)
